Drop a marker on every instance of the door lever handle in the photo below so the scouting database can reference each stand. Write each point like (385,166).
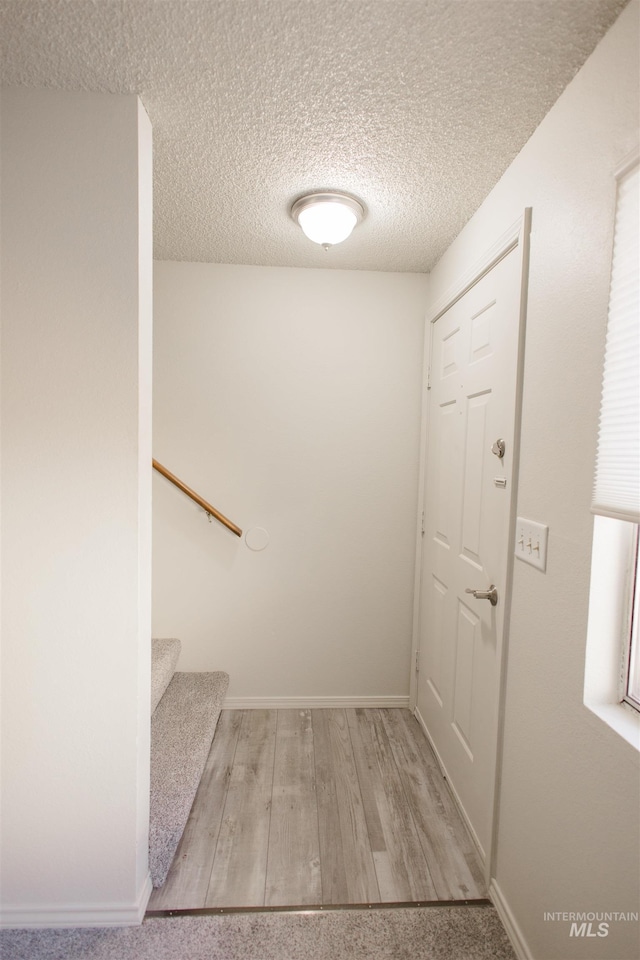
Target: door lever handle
(491,594)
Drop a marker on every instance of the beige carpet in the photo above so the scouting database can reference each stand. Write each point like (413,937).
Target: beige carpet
(413,933)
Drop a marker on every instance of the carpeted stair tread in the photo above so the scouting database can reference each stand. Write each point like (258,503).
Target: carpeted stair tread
(182,729)
(164,657)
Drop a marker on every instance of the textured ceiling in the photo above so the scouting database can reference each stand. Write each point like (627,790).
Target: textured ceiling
(415,106)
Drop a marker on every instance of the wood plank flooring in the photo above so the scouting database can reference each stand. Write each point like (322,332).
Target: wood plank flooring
(300,807)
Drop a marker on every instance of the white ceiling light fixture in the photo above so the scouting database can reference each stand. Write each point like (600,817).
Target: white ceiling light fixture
(327,218)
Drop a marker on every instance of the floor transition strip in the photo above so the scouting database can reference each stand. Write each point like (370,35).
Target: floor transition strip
(316,908)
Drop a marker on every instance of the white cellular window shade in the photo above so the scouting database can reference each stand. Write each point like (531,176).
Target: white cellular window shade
(617,478)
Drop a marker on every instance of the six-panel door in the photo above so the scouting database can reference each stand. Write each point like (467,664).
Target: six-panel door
(472,403)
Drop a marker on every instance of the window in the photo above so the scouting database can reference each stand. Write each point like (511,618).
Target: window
(631,666)
(612,676)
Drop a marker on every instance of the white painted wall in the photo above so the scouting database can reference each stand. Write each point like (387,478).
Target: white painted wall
(290,399)
(568,836)
(76,501)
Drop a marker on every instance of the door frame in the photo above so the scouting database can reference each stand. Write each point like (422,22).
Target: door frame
(516,237)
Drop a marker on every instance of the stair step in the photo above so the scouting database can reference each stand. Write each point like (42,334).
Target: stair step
(182,729)
(164,657)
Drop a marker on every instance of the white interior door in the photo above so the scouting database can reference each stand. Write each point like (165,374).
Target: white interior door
(467,531)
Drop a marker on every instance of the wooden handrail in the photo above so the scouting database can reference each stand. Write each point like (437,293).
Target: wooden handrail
(209,510)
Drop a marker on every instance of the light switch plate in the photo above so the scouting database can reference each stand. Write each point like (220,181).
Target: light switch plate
(531,542)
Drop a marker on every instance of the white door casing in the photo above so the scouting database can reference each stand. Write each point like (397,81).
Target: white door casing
(469,506)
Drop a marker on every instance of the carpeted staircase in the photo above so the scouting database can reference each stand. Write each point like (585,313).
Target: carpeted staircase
(184,712)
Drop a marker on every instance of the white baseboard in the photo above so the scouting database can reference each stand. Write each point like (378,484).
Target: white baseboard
(509,922)
(312,703)
(78,915)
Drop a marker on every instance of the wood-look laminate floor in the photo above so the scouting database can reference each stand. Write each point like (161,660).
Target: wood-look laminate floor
(300,807)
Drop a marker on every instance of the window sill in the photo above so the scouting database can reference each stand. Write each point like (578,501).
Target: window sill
(622,718)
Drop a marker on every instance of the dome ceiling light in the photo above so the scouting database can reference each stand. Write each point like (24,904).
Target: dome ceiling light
(327,218)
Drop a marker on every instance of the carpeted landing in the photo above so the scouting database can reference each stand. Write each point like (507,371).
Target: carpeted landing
(403,933)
